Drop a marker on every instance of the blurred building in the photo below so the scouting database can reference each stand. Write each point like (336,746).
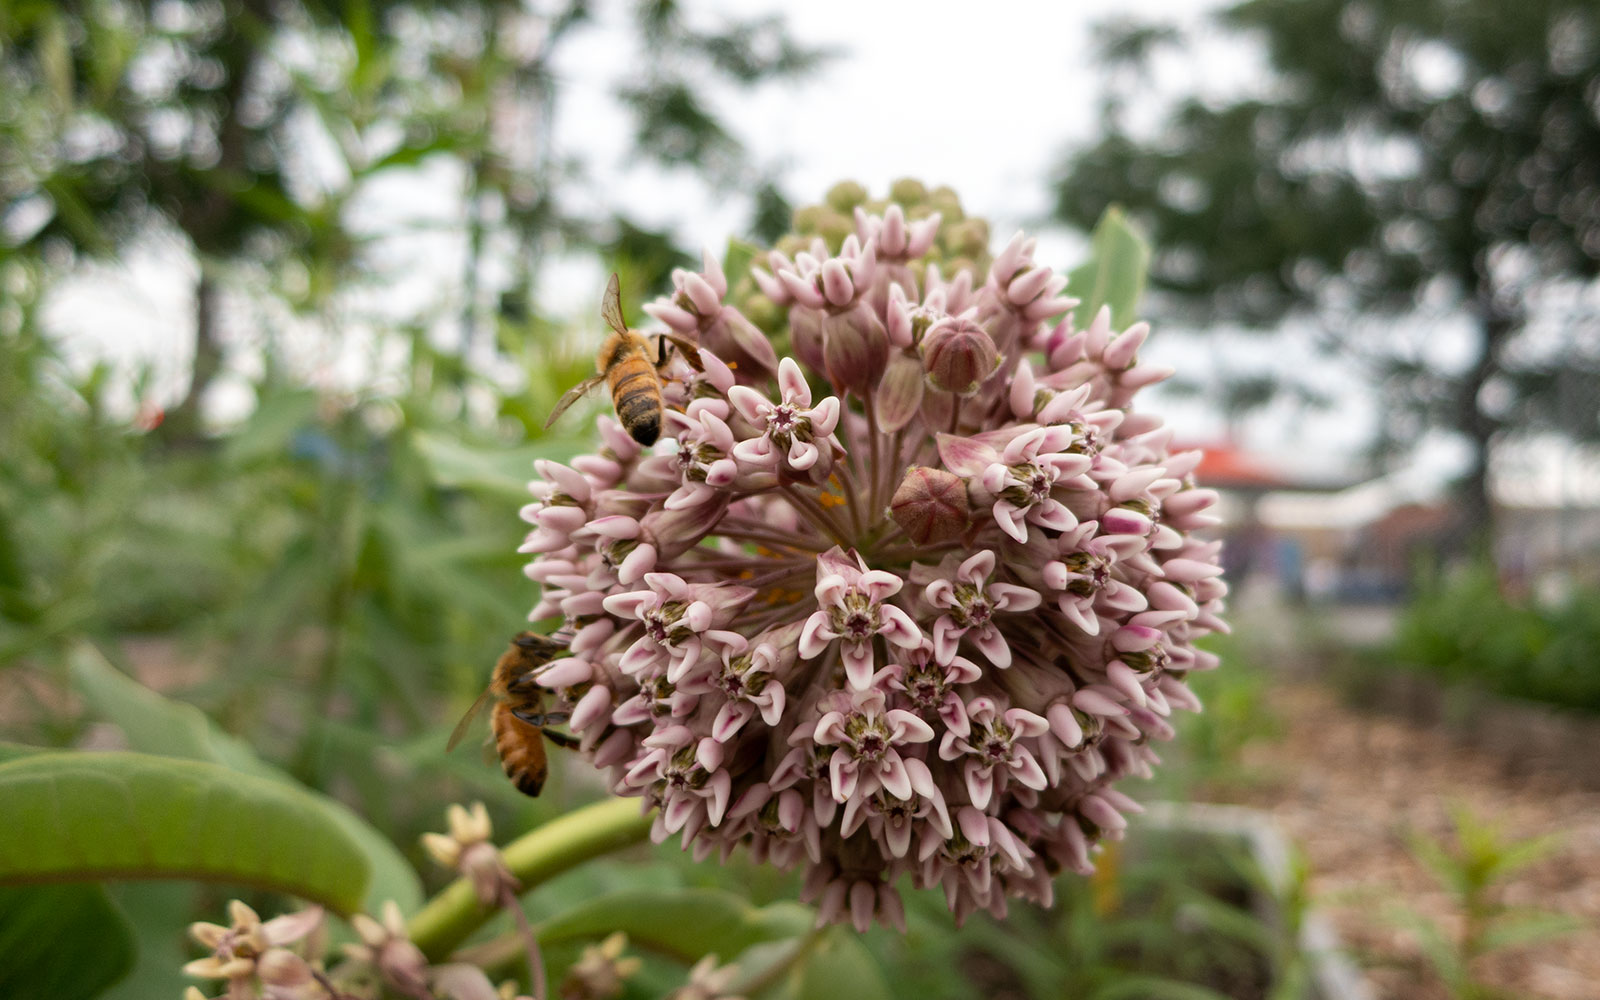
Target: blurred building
(1363,540)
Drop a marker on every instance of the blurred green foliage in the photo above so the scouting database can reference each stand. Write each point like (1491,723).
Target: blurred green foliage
(1472,864)
(1463,628)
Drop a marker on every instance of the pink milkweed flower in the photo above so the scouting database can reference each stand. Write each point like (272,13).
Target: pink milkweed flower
(852,610)
(996,740)
(1083,574)
(745,654)
(867,739)
(791,429)
(970,602)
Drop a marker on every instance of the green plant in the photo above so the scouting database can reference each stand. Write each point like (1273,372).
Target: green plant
(1462,628)
(1473,864)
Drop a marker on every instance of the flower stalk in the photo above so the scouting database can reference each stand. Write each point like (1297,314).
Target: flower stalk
(565,842)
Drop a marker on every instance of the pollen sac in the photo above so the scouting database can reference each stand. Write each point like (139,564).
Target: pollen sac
(930,505)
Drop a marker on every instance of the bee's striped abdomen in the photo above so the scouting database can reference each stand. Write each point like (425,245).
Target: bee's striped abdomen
(636,394)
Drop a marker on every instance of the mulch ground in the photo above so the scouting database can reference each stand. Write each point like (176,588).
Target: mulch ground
(1351,786)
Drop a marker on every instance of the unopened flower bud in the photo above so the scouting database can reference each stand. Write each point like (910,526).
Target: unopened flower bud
(855,349)
(930,505)
(899,396)
(846,195)
(908,191)
(958,355)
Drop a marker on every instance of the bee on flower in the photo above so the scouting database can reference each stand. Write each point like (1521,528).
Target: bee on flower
(906,588)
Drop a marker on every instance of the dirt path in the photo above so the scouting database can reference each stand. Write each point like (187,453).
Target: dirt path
(1350,787)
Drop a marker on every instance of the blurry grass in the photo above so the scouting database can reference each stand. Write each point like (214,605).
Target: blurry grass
(1206,759)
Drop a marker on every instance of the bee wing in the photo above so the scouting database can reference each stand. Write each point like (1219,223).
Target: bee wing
(611,305)
(466,720)
(572,396)
(690,352)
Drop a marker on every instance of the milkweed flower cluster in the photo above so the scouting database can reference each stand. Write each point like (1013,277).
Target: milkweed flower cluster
(904,591)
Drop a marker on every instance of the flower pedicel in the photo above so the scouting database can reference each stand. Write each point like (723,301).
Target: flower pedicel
(905,598)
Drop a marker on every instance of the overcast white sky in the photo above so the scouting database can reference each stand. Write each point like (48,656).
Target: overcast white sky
(981,97)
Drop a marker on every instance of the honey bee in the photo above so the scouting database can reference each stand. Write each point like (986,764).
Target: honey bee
(624,365)
(518,719)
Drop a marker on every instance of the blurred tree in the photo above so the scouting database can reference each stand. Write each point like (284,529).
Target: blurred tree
(248,127)
(1407,166)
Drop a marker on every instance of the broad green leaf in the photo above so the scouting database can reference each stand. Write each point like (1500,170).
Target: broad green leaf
(683,923)
(160,913)
(85,816)
(1114,275)
(11,751)
(154,724)
(838,965)
(63,942)
(457,465)
(158,725)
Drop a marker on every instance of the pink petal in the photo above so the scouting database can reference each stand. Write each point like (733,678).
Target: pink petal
(980,785)
(857,664)
(892,773)
(816,635)
(792,384)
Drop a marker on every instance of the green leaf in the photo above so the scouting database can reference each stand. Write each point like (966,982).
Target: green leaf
(1114,275)
(455,464)
(271,429)
(1440,951)
(158,725)
(11,751)
(61,941)
(154,724)
(1513,930)
(1137,987)
(683,923)
(736,260)
(160,913)
(839,965)
(83,816)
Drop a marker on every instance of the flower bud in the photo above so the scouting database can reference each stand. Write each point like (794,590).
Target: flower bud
(899,396)
(958,355)
(930,505)
(855,348)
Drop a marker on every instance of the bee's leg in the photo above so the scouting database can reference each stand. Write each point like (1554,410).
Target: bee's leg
(524,682)
(565,741)
(661,352)
(541,718)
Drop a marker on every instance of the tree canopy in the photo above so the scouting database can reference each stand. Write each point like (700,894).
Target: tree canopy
(1409,164)
(249,127)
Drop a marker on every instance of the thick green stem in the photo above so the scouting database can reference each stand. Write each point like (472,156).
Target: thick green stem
(450,917)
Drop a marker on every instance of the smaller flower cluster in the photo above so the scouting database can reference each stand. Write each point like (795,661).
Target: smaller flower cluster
(280,959)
